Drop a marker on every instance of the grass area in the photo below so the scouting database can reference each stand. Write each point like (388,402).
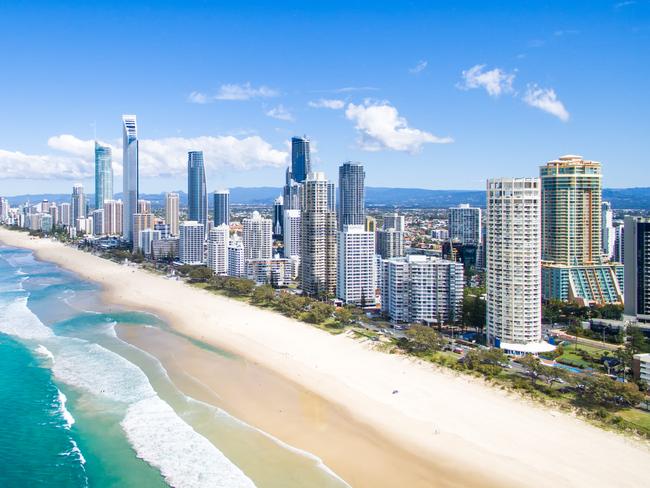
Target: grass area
(638,419)
(581,356)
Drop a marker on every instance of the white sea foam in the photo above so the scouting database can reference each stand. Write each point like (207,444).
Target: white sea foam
(184,457)
(101,372)
(44,351)
(65,413)
(18,320)
(75,451)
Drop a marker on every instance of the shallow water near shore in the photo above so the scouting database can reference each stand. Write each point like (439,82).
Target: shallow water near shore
(84,408)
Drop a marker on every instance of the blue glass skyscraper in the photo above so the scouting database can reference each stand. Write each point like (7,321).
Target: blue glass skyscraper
(352,203)
(197,197)
(103,175)
(300,161)
(221,207)
(130,182)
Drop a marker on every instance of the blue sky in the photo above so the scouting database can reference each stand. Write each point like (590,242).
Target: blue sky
(426,94)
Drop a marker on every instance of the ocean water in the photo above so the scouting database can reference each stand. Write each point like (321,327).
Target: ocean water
(80,407)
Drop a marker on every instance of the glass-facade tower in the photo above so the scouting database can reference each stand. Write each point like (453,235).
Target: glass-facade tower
(197,197)
(352,206)
(130,183)
(221,207)
(300,160)
(103,175)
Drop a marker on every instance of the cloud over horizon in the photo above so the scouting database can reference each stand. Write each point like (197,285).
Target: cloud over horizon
(495,81)
(232,91)
(74,157)
(381,127)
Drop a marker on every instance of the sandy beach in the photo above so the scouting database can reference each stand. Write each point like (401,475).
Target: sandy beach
(333,396)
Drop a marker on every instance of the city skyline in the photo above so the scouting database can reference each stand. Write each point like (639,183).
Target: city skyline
(509,101)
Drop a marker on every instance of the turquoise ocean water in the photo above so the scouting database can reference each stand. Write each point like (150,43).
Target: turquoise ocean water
(79,407)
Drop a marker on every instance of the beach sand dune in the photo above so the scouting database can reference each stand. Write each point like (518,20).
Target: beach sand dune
(441,429)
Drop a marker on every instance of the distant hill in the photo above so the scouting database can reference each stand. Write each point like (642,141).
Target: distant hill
(621,198)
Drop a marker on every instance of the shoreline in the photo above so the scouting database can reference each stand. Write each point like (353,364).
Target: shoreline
(478,434)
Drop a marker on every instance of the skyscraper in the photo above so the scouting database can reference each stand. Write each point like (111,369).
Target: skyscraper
(221,207)
(637,268)
(608,233)
(258,237)
(352,200)
(218,241)
(171,212)
(465,224)
(235,257)
(103,175)
(300,160)
(78,204)
(514,307)
(394,221)
(197,198)
(130,173)
(356,271)
(144,206)
(291,233)
(66,214)
(291,192)
(278,210)
(318,238)
(141,221)
(390,243)
(572,256)
(191,242)
(111,218)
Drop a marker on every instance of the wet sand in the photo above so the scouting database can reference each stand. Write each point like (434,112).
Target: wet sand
(358,453)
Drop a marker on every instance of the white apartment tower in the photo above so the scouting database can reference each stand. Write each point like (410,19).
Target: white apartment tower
(356,272)
(291,229)
(419,288)
(513,252)
(258,237)
(218,240)
(236,258)
(190,246)
(608,236)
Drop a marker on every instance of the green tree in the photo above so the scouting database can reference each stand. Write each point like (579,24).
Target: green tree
(239,286)
(487,361)
(473,308)
(423,339)
(599,390)
(291,305)
(343,316)
(263,295)
(200,274)
(534,368)
(319,312)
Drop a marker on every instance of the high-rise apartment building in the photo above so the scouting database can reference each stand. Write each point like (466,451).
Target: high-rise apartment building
(98,222)
(258,237)
(291,192)
(130,174)
(111,217)
(291,233)
(619,242)
(236,257)
(465,224)
(370,224)
(300,159)
(572,256)
(53,210)
(103,174)
(637,268)
(419,288)
(141,221)
(390,243)
(78,203)
(197,198)
(278,210)
(352,199)
(144,206)
(65,214)
(356,271)
(394,221)
(218,241)
(190,246)
(172,204)
(608,236)
(146,238)
(221,207)
(514,307)
(318,238)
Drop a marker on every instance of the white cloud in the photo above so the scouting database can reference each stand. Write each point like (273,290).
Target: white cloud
(545,99)
(158,157)
(233,92)
(496,81)
(280,113)
(327,103)
(418,68)
(381,127)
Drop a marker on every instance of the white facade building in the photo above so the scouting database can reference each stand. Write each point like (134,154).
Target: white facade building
(275,271)
(171,212)
(191,242)
(65,214)
(236,258)
(291,229)
(465,224)
(146,238)
(218,240)
(356,272)
(608,236)
(513,250)
(257,237)
(419,288)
